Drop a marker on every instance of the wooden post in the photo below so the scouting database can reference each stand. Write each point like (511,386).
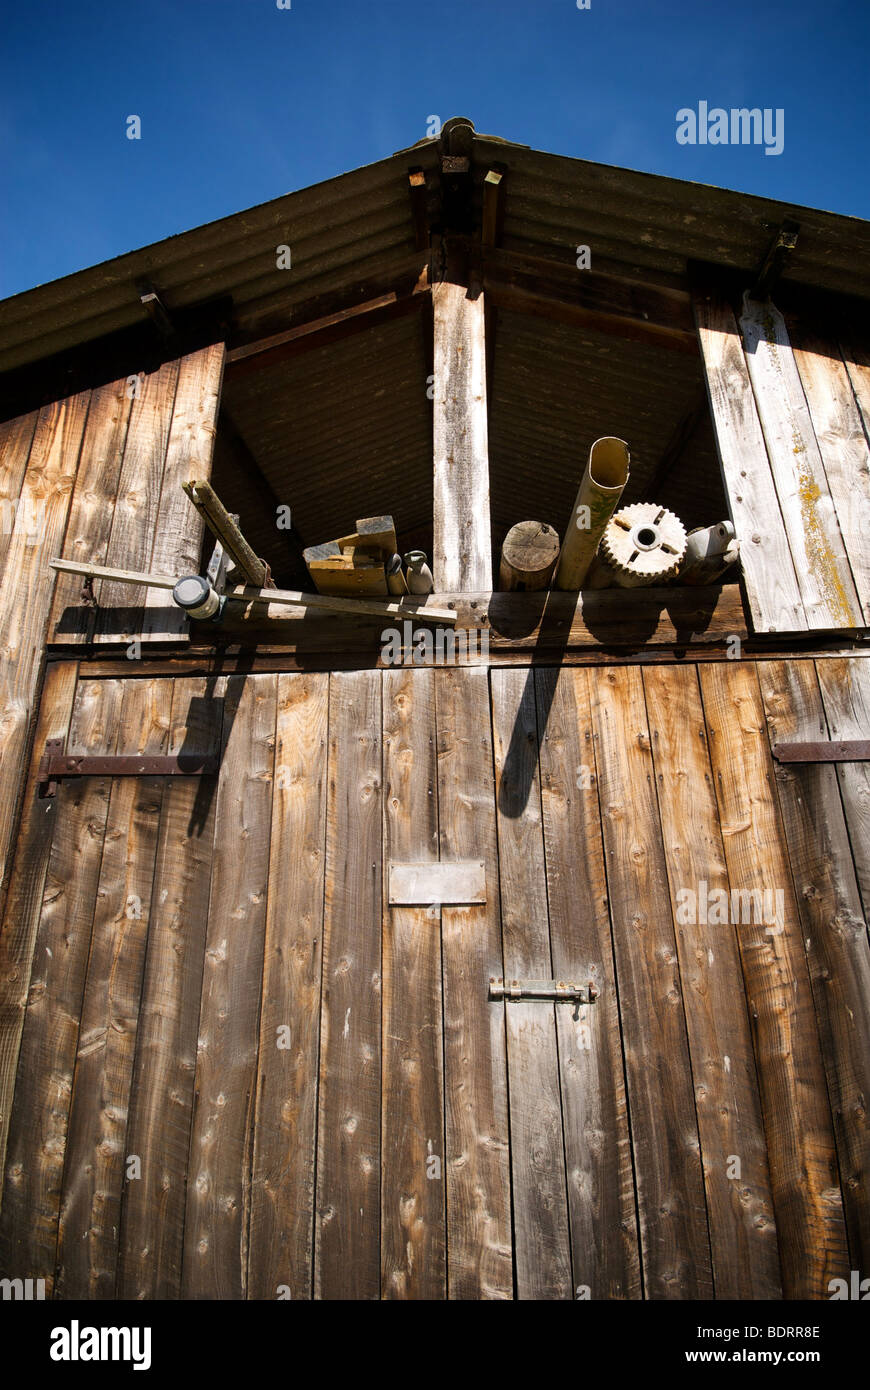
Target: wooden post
(598,496)
(462,553)
(528,556)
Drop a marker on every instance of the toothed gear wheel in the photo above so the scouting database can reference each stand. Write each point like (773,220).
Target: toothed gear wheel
(643,544)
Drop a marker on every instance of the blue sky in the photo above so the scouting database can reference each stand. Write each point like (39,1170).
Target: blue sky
(241,102)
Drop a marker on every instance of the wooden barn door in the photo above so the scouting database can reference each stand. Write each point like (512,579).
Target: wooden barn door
(230,1067)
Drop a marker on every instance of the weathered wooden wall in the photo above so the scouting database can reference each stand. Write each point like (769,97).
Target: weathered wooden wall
(791,407)
(95,478)
(205,975)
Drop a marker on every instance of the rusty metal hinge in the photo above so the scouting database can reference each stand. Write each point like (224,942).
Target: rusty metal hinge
(847,751)
(56,765)
(543,989)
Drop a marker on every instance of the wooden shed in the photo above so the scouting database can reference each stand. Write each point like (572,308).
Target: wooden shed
(542,973)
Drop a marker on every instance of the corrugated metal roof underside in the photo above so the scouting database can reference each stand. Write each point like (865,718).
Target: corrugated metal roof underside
(340,232)
(653,224)
(354,228)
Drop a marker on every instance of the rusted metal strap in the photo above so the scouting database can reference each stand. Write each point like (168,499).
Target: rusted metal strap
(56,765)
(849,751)
(543,989)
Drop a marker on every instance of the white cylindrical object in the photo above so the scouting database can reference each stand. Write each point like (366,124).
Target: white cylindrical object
(600,489)
(418,573)
(197,597)
(710,551)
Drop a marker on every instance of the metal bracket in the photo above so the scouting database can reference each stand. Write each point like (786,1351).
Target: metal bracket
(854,751)
(55,765)
(543,989)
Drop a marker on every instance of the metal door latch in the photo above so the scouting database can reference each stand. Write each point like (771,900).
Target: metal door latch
(543,989)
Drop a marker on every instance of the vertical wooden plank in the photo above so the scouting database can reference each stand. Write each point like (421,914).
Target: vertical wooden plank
(823,574)
(162,1096)
(836,422)
(462,546)
(96,1149)
(845,687)
(281,1243)
(477,1168)
(91,509)
(218,1190)
(178,533)
(120,616)
(670,1190)
(26,589)
(857,362)
(765,558)
(16,437)
(739,1202)
(26,886)
(797,1118)
(834,931)
(540,1200)
(601,1198)
(347,1227)
(40,1111)
(412,1102)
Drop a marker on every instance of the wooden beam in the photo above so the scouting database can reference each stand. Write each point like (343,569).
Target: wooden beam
(279,597)
(462,554)
(324,330)
(677,444)
(226,530)
(585,298)
(493,208)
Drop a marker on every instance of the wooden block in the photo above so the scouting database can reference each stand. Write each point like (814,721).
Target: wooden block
(376,532)
(462,882)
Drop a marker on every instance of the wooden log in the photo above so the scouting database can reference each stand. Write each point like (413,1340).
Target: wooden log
(347,1230)
(281,1240)
(670,1190)
(528,556)
(794,1101)
(816,544)
(541,1236)
(226,531)
(740,1208)
(477,1168)
(40,1112)
(462,547)
(413,1234)
(218,1189)
(162,1095)
(24,902)
(834,931)
(601,487)
(766,560)
(601,1201)
(95,1166)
